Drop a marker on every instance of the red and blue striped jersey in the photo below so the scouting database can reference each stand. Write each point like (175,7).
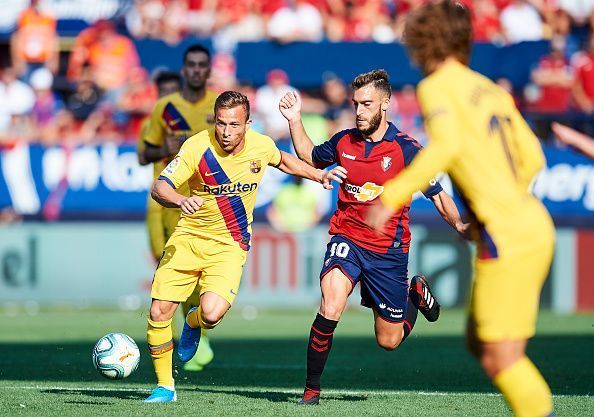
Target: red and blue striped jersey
(227,183)
(370,165)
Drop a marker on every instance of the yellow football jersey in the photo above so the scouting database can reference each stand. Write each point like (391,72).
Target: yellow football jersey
(175,114)
(478,136)
(227,183)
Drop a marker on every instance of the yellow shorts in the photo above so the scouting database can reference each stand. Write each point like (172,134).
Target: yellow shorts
(190,262)
(506,292)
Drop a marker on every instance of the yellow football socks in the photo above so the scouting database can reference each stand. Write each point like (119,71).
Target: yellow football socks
(525,390)
(160,341)
(194,319)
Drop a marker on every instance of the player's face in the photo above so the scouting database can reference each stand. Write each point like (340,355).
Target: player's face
(196,70)
(370,105)
(168,87)
(230,127)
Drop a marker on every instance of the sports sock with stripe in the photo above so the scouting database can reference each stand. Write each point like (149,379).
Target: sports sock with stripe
(318,349)
(160,340)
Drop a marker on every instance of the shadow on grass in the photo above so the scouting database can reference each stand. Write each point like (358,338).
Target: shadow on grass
(427,363)
(97,393)
(279,396)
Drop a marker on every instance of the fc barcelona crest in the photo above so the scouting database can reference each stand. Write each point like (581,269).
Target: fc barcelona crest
(255,166)
(386,163)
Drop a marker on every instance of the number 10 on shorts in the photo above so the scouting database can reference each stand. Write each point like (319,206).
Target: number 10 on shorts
(339,249)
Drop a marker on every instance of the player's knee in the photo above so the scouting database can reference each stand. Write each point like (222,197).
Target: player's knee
(388,342)
(331,311)
(211,317)
(161,312)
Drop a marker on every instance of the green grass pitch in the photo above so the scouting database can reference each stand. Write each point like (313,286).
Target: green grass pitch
(259,368)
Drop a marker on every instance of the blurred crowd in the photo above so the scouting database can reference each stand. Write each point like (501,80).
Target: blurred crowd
(501,21)
(98,90)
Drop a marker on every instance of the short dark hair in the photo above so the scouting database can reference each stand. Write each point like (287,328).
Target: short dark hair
(167,76)
(436,31)
(378,78)
(230,99)
(196,48)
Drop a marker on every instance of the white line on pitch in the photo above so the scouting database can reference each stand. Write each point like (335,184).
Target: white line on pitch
(272,390)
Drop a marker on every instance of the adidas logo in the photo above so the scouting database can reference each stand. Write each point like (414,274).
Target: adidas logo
(382,306)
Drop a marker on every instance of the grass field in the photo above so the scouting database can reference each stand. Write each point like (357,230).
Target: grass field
(259,368)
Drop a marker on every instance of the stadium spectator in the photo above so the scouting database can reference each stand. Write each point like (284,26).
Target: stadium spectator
(560,23)
(336,96)
(109,56)
(583,87)
(579,10)
(266,104)
(85,99)
(47,103)
(485,22)
(407,114)
(361,21)
(201,16)
(35,42)
(16,98)
(521,22)
(553,78)
(145,19)
(296,21)
(136,102)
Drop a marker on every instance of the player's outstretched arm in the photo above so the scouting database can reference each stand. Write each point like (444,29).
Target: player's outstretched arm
(164,194)
(448,210)
(572,137)
(291,165)
(290,107)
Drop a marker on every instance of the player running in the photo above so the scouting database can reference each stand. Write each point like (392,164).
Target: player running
(479,137)
(176,117)
(372,153)
(223,167)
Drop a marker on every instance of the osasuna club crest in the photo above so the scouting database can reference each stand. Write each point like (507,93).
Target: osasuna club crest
(386,163)
(255,166)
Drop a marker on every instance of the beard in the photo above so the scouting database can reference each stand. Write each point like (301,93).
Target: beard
(374,124)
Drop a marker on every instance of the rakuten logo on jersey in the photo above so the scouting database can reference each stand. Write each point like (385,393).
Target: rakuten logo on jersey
(366,192)
(227,189)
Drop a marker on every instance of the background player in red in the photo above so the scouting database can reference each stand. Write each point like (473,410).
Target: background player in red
(372,153)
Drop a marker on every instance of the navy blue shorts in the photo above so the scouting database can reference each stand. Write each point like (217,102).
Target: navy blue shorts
(383,276)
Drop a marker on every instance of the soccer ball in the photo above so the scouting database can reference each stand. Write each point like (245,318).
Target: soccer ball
(116,355)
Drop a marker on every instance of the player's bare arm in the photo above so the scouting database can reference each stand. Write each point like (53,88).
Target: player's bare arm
(165,194)
(448,210)
(572,137)
(153,153)
(291,165)
(290,107)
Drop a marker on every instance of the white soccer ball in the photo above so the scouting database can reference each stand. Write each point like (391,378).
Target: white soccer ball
(116,356)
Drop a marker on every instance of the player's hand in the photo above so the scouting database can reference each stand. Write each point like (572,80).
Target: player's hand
(174,141)
(378,215)
(191,204)
(290,106)
(337,174)
(463,230)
